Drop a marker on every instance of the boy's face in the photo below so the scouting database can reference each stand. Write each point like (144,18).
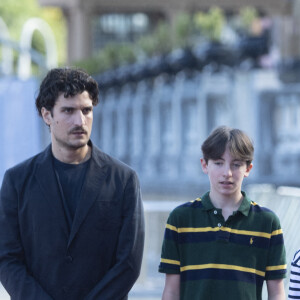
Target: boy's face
(226,174)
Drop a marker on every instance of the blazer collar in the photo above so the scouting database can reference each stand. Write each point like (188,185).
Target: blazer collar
(46,178)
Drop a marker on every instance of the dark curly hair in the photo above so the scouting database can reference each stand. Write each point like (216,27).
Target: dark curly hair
(67,81)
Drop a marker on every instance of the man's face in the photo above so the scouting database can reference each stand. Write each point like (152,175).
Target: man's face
(226,174)
(70,121)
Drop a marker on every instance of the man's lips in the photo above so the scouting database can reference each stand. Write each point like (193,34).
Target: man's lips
(78,131)
(78,134)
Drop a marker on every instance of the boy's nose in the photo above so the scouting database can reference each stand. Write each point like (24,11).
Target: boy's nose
(227,171)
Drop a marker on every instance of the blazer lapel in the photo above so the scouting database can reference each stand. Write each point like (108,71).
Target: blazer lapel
(95,178)
(46,179)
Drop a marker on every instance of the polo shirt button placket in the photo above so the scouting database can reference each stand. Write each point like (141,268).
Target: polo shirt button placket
(219,225)
(215,211)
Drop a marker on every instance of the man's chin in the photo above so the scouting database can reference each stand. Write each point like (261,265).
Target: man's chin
(78,145)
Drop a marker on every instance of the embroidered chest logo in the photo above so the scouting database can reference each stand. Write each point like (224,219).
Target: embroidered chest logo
(251,240)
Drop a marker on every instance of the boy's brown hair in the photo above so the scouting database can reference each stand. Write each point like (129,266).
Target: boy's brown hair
(238,142)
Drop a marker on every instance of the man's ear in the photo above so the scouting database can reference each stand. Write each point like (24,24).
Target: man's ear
(46,115)
(203,165)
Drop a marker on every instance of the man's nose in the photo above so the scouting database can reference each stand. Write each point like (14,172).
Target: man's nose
(79,118)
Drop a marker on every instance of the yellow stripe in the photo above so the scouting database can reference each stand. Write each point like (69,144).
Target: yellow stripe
(275,268)
(222,266)
(170,261)
(277,232)
(214,229)
(171,227)
(247,232)
(195,200)
(198,229)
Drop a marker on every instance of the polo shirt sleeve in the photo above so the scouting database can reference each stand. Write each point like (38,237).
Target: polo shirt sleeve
(170,257)
(276,264)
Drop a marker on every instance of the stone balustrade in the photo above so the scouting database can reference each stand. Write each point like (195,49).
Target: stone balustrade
(157,125)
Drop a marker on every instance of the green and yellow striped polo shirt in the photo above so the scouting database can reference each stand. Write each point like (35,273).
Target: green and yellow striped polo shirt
(219,259)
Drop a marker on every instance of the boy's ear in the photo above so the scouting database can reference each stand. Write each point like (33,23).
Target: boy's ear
(248,170)
(46,114)
(203,165)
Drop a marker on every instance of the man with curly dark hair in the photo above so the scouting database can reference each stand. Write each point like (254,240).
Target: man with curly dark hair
(71,217)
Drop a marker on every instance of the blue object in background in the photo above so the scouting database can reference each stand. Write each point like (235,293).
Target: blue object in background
(20,127)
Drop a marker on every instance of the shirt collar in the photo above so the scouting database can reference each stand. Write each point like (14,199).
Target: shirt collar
(244,207)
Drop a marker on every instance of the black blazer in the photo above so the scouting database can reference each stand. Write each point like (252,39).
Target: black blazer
(99,257)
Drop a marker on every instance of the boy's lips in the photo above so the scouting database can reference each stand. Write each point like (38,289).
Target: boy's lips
(226,182)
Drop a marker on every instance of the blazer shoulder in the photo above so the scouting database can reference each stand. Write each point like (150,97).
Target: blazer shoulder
(27,166)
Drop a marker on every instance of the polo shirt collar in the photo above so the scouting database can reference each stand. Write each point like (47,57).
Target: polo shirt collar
(244,207)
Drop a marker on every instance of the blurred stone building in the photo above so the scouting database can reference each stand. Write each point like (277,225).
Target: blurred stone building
(92,22)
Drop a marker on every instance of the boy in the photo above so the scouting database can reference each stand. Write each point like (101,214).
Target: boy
(223,245)
(294,286)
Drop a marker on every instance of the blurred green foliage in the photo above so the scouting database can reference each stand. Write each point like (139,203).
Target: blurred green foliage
(183,33)
(158,42)
(187,30)
(111,56)
(114,55)
(211,23)
(164,38)
(16,12)
(184,29)
(247,16)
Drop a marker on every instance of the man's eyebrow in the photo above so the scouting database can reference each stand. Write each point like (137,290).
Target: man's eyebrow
(74,107)
(69,107)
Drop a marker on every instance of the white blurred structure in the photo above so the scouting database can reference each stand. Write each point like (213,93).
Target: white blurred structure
(24,62)
(27,55)
(6,66)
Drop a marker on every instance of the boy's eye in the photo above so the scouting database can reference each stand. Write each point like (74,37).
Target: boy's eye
(238,164)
